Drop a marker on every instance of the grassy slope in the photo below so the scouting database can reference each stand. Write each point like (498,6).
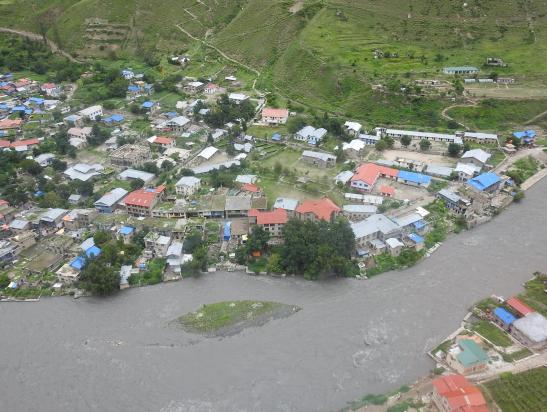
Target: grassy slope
(323,57)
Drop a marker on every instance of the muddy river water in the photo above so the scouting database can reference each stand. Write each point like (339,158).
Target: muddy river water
(350,338)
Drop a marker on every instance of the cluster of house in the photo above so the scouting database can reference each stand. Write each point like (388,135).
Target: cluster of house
(522,322)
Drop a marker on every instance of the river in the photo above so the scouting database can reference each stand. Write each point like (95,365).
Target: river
(351,338)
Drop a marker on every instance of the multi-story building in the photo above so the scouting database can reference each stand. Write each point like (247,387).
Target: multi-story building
(130,155)
(141,202)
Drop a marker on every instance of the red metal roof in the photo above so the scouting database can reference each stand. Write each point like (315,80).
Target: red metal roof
(274,217)
(522,308)
(10,123)
(462,396)
(143,197)
(163,140)
(4,144)
(27,142)
(271,112)
(369,173)
(387,190)
(322,208)
(249,187)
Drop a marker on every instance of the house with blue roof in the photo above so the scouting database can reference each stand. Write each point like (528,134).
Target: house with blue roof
(486,183)
(114,119)
(417,240)
(504,318)
(128,74)
(36,101)
(77,263)
(126,234)
(526,137)
(413,178)
(150,106)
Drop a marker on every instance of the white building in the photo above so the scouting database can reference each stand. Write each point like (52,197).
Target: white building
(187,185)
(91,112)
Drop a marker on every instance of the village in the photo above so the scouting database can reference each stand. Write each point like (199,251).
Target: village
(208,169)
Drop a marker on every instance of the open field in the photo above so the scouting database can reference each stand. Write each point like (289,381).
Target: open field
(523,392)
(508,92)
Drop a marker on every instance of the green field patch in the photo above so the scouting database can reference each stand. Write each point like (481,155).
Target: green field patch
(492,333)
(231,317)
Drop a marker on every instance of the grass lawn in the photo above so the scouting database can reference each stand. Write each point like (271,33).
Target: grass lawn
(212,317)
(492,333)
(498,114)
(523,392)
(515,356)
(534,294)
(112,184)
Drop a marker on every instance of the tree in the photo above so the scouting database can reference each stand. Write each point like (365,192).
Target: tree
(454,149)
(4,280)
(425,145)
(406,140)
(258,239)
(192,242)
(381,145)
(136,184)
(99,278)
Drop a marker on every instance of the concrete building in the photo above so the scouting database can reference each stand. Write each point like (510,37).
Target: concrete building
(454,202)
(271,221)
(321,209)
(274,116)
(187,185)
(130,155)
(486,183)
(318,159)
(375,227)
(454,393)
(133,174)
(358,212)
(461,70)
(475,157)
(141,202)
(467,357)
(109,201)
(92,112)
(531,330)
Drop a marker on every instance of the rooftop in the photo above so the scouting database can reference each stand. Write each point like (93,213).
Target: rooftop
(533,326)
(322,208)
(484,181)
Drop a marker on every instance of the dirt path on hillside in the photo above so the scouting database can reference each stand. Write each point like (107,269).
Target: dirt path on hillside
(446,116)
(537,117)
(37,37)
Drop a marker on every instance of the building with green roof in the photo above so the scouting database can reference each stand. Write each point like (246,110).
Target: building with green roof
(468,357)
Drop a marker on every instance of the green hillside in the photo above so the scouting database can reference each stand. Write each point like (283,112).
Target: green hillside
(326,54)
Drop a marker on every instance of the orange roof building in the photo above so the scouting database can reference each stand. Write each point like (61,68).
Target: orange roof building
(27,142)
(249,187)
(322,209)
(162,141)
(274,116)
(271,221)
(387,191)
(10,124)
(454,393)
(366,175)
(521,308)
(141,202)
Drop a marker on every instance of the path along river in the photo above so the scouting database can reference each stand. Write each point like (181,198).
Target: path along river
(351,338)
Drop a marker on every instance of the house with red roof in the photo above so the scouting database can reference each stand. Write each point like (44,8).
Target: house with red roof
(141,202)
(274,116)
(321,209)
(51,89)
(519,307)
(454,393)
(210,88)
(387,191)
(367,174)
(250,187)
(271,221)
(162,141)
(6,124)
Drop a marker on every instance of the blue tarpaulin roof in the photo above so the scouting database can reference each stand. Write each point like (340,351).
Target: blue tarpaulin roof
(93,251)
(415,238)
(148,105)
(484,181)
(227,230)
(133,88)
(126,230)
(525,133)
(506,317)
(114,118)
(420,224)
(77,263)
(417,178)
(276,137)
